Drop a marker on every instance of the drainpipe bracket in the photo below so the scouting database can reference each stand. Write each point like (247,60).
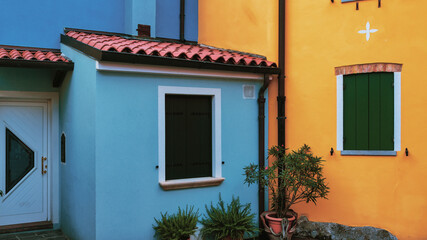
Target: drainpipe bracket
(281,98)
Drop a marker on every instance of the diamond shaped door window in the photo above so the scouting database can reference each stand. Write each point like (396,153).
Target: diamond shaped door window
(19,160)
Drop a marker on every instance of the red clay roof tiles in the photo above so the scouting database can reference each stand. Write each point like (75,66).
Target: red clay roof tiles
(153,47)
(31,54)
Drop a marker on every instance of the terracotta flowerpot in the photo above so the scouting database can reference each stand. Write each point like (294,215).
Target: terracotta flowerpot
(276,223)
(273,225)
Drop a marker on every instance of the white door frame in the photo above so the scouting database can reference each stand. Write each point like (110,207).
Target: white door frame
(52,100)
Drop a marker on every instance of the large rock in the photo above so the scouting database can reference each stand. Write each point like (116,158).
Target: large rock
(335,231)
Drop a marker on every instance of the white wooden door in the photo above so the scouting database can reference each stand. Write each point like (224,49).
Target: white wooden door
(23,179)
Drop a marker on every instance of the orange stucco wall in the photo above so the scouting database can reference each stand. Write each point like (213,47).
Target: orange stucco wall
(248,26)
(385,192)
(244,25)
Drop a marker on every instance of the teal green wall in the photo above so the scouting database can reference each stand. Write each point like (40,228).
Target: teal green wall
(26,79)
(109,185)
(77,121)
(128,192)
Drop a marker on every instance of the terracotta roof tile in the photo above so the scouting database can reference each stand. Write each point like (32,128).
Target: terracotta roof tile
(31,54)
(14,54)
(3,53)
(116,43)
(28,55)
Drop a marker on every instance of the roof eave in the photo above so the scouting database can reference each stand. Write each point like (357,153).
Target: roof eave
(60,68)
(21,63)
(158,60)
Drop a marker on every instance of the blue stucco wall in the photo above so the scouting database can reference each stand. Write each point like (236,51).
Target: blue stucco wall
(191,31)
(168,19)
(140,12)
(128,194)
(39,23)
(77,121)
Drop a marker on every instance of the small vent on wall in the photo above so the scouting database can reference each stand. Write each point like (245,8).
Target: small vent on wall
(248,91)
(144,30)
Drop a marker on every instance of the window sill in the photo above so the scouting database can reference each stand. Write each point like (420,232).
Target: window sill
(191,183)
(367,153)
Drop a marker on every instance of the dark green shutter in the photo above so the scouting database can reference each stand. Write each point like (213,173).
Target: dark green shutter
(374,111)
(362,112)
(368,111)
(188,136)
(349,112)
(387,111)
(175,137)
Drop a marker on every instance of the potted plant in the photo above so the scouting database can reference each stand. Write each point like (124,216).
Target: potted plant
(229,222)
(179,226)
(291,178)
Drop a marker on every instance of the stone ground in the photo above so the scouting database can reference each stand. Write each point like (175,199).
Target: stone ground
(56,235)
(42,235)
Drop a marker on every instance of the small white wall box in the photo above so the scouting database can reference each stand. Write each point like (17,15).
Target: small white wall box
(248,91)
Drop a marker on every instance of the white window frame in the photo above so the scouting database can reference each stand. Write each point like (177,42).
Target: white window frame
(397,120)
(216,178)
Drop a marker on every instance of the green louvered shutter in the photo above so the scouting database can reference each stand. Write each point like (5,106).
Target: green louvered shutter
(386,131)
(369,111)
(188,136)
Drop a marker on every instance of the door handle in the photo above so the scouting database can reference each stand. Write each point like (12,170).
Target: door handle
(44,167)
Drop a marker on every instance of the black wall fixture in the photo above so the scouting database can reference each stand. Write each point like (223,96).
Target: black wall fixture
(332,151)
(406,152)
(379,3)
(357,6)
(63,147)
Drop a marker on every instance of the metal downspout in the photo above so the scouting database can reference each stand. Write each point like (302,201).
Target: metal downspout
(182,22)
(261,141)
(281,98)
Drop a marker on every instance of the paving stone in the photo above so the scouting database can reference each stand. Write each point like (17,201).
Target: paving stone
(8,237)
(50,234)
(33,237)
(42,235)
(24,234)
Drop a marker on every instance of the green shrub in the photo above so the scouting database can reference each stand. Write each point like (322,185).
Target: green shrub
(177,226)
(233,220)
